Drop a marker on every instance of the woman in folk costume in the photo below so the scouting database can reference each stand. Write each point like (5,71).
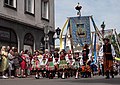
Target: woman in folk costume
(63,64)
(40,58)
(4,63)
(27,59)
(108,53)
(77,65)
(36,64)
(70,62)
(69,58)
(50,65)
(44,63)
(56,61)
(23,64)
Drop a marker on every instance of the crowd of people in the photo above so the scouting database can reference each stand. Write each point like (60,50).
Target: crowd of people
(61,64)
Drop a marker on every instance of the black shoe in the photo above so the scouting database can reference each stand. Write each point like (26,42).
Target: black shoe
(112,76)
(37,77)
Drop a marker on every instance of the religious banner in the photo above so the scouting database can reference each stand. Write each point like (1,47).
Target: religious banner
(80,30)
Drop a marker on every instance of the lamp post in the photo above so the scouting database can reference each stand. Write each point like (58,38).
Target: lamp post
(103,28)
(58,30)
(57,34)
(46,38)
(78,8)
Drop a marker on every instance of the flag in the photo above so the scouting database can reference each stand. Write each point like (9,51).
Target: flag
(95,53)
(68,26)
(80,30)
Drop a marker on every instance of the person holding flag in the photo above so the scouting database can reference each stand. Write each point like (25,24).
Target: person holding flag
(108,53)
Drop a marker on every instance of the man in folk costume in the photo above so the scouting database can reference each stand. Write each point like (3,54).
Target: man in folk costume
(86,58)
(85,54)
(70,62)
(108,53)
(56,61)
(44,62)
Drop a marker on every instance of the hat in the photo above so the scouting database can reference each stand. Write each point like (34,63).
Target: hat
(106,39)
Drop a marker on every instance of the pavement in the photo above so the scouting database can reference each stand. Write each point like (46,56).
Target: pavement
(97,80)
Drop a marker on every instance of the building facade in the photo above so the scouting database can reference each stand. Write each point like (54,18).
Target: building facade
(22,23)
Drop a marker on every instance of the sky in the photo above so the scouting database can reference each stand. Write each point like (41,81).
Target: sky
(102,10)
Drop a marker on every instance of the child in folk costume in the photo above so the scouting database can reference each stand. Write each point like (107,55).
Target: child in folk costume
(36,64)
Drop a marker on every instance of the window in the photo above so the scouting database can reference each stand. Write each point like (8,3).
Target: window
(45,9)
(30,6)
(11,3)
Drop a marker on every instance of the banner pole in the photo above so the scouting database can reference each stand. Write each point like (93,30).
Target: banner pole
(71,40)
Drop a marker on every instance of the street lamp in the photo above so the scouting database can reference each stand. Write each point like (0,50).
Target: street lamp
(103,28)
(46,38)
(58,30)
(78,8)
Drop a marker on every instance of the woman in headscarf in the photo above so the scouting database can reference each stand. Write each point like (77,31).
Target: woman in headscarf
(4,64)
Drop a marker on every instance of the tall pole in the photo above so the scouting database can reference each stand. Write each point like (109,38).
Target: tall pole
(46,38)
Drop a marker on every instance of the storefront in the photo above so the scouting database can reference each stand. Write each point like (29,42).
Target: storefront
(8,37)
